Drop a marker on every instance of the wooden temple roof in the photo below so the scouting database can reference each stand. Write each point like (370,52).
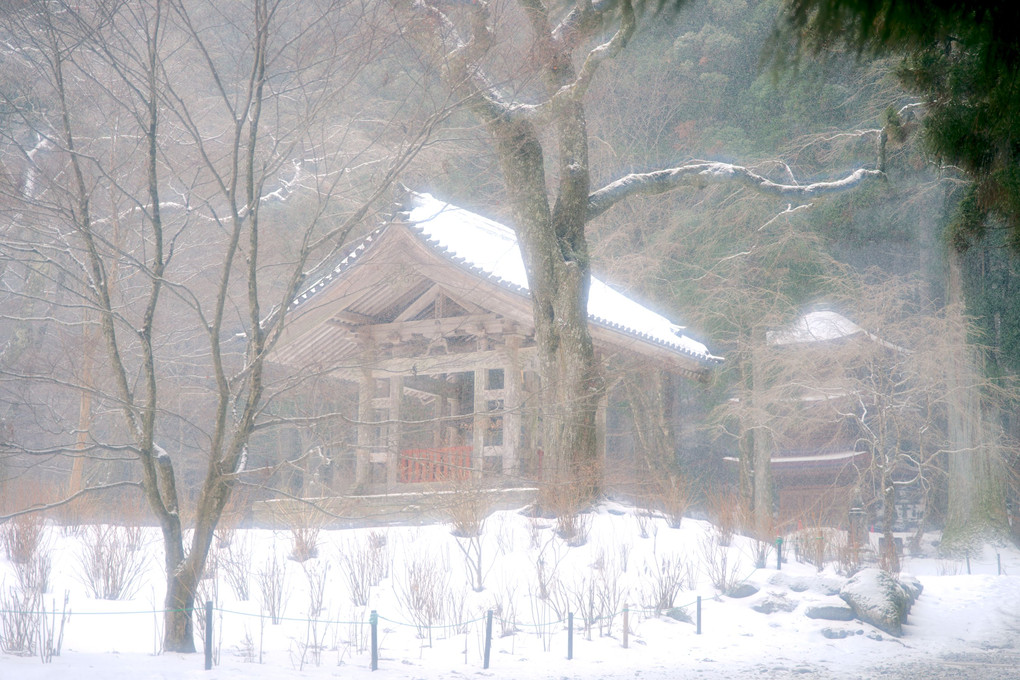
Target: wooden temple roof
(437,272)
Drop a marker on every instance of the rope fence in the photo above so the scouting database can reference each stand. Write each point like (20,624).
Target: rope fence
(374,618)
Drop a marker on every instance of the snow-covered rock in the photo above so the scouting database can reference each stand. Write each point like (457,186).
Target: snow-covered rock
(830,609)
(877,598)
(817,583)
(742,590)
(774,602)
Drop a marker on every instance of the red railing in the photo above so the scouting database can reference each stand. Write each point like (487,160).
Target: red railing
(452,463)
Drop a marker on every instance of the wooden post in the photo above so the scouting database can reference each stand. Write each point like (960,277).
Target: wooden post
(968,565)
(488,638)
(394,431)
(373,622)
(570,635)
(439,436)
(698,626)
(513,390)
(208,635)
(480,423)
(998,562)
(366,391)
(626,625)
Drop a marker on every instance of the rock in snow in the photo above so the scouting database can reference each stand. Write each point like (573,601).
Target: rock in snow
(878,598)
(774,602)
(833,609)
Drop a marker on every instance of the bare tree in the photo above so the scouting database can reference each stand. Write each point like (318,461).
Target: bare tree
(180,165)
(541,112)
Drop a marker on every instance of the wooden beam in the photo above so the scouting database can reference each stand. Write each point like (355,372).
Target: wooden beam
(440,363)
(346,317)
(473,324)
(419,305)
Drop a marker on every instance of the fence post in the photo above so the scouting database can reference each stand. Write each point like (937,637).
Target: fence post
(626,625)
(373,622)
(968,565)
(779,553)
(998,563)
(570,635)
(488,637)
(208,635)
(698,629)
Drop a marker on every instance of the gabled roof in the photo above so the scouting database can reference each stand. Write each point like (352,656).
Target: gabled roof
(822,326)
(485,252)
(491,250)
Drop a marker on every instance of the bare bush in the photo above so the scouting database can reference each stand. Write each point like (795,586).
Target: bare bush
(668,576)
(34,575)
(19,625)
(468,513)
(22,537)
(567,501)
(471,506)
(366,564)
(424,591)
(305,538)
(51,633)
(504,536)
(315,630)
(643,518)
(534,533)
(581,595)
(272,581)
(726,514)
(675,496)
(817,545)
(504,606)
(235,560)
(761,541)
(609,593)
(548,587)
(722,572)
(111,570)
(573,528)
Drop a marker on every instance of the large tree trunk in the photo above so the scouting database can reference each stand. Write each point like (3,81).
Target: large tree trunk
(977,496)
(556,257)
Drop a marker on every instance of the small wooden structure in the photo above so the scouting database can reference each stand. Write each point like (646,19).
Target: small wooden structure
(430,315)
(817,468)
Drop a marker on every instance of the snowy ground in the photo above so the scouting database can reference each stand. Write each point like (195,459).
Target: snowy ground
(963,626)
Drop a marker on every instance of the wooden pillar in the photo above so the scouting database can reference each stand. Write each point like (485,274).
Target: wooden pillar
(532,427)
(480,423)
(394,431)
(513,388)
(439,430)
(366,391)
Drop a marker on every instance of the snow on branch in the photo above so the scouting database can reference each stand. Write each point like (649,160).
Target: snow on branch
(702,173)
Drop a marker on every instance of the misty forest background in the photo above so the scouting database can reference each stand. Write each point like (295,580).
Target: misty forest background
(369,110)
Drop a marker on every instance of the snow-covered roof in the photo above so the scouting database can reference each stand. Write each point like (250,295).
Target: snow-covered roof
(490,249)
(816,326)
(820,326)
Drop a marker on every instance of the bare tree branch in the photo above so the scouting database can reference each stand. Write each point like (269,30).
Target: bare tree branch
(703,173)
